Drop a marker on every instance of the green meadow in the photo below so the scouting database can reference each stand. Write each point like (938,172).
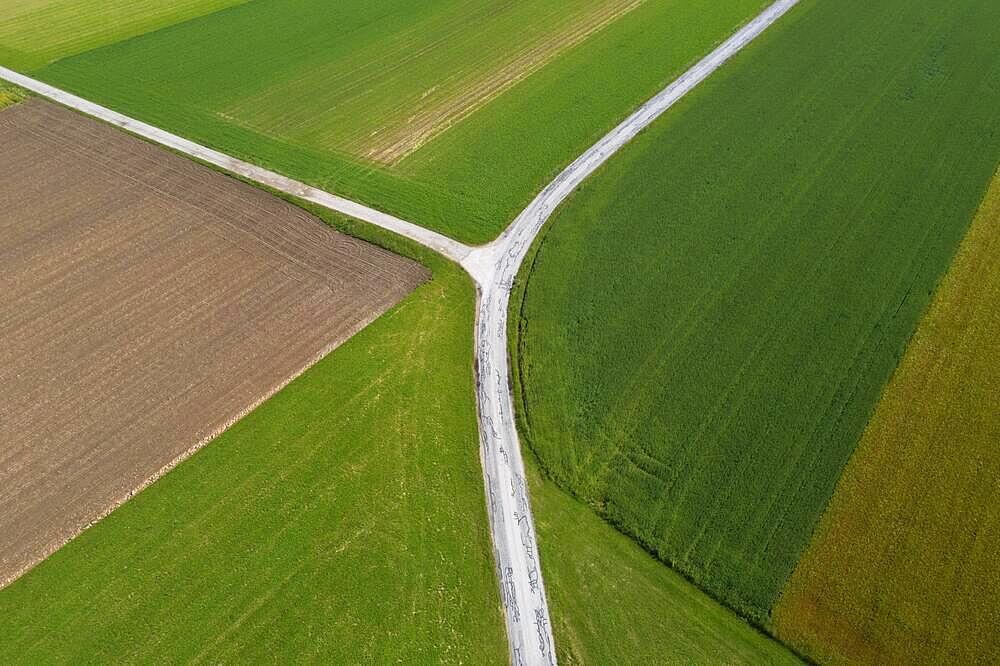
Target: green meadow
(34,33)
(304,86)
(708,323)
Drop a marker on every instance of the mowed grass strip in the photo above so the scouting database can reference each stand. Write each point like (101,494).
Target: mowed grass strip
(903,566)
(34,33)
(393,143)
(343,521)
(318,90)
(386,91)
(709,322)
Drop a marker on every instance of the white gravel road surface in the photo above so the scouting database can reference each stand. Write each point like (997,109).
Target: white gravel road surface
(493,267)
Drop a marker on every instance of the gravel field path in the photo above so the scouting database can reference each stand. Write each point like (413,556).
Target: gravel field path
(493,267)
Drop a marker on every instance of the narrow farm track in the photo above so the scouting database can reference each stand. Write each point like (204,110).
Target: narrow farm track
(493,268)
(431,239)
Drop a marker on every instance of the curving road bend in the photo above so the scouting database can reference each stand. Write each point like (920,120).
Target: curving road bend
(493,267)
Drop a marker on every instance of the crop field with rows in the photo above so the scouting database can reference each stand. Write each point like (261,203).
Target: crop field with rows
(413,108)
(903,567)
(709,322)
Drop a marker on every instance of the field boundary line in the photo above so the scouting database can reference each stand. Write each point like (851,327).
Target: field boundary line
(440,243)
(197,446)
(493,267)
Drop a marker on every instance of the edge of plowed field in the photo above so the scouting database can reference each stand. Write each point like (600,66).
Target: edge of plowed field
(17,95)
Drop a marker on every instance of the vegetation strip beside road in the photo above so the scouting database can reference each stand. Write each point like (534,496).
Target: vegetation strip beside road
(714,316)
(9,95)
(903,566)
(331,77)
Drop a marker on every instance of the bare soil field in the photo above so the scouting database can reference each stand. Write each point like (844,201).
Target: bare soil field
(146,303)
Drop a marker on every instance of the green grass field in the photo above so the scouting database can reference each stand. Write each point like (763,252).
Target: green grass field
(611,602)
(903,567)
(342,521)
(34,33)
(710,321)
(307,83)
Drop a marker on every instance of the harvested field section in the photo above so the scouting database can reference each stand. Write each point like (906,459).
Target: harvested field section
(903,567)
(391,143)
(146,302)
(402,84)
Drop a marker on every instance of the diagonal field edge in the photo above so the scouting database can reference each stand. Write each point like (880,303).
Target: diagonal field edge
(439,243)
(493,268)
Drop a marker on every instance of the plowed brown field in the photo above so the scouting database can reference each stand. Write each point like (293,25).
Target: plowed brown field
(146,303)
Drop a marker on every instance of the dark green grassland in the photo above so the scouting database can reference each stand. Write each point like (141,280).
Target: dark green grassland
(708,323)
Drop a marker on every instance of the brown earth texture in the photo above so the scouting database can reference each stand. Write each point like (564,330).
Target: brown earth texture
(146,303)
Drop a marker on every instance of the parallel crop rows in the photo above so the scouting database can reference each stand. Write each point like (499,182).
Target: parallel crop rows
(709,323)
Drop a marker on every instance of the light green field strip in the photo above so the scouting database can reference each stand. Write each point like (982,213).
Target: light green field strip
(903,567)
(34,33)
(383,92)
(343,521)
(710,320)
(311,87)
